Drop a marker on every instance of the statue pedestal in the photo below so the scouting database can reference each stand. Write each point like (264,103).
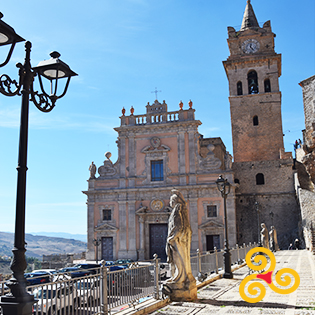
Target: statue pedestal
(12,306)
(181,292)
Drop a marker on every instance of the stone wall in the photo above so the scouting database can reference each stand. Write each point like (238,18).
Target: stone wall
(277,195)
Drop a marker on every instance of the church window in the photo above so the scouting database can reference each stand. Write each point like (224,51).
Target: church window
(252,82)
(239,88)
(260,179)
(157,170)
(107,215)
(212,211)
(267,86)
(255,120)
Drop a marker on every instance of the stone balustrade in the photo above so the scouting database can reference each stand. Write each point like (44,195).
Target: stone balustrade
(158,117)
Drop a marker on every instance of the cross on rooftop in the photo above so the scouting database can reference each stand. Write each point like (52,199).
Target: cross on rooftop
(156,92)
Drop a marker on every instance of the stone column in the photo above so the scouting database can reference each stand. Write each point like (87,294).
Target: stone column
(122,252)
(192,156)
(132,161)
(132,237)
(193,213)
(90,255)
(141,250)
(181,157)
(122,161)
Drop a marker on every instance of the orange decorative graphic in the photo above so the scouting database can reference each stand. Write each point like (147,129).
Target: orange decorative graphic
(255,291)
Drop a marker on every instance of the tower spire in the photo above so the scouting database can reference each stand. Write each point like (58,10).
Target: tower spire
(249,18)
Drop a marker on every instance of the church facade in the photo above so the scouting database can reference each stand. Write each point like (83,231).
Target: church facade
(263,171)
(128,201)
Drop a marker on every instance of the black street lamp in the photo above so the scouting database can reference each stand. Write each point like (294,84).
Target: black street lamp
(224,188)
(258,220)
(96,243)
(271,216)
(19,301)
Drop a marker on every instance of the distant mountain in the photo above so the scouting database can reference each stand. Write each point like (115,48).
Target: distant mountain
(38,245)
(80,237)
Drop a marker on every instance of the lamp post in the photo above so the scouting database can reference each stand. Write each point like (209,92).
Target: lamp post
(271,216)
(258,220)
(20,301)
(96,243)
(224,188)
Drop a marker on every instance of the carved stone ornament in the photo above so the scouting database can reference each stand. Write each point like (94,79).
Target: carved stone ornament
(155,142)
(155,146)
(108,169)
(156,205)
(105,228)
(210,162)
(210,225)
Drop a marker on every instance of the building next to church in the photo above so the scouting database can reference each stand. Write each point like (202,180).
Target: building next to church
(128,200)
(263,170)
(305,163)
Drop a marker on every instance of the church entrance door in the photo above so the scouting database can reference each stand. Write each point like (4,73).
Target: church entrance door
(107,248)
(212,241)
(158,236)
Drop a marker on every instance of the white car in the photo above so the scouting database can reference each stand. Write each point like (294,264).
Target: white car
(89,291)
(55,297)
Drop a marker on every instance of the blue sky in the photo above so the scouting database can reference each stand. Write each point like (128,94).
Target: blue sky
(122,50)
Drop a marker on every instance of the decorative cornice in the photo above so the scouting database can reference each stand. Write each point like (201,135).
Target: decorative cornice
(105,227)
(210,224)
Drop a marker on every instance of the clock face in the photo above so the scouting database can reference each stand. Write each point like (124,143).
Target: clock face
(250,46)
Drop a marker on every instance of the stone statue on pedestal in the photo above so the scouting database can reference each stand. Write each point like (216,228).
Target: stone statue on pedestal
(273,239)
(182,285)
(92,170)
(264,236)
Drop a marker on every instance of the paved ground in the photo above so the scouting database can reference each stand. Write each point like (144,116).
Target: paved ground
(222,296)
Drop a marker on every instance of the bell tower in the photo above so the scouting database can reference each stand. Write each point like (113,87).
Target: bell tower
(253,70)
(263,171)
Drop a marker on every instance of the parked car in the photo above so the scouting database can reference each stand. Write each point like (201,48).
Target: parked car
(74,272)
(90,268)
(38,277)
(53,298)
(89,291)
(124,262)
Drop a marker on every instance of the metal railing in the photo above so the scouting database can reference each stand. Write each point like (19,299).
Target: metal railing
(105,290)
(212,262)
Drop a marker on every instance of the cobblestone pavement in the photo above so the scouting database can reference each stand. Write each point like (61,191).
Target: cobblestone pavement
(222,296)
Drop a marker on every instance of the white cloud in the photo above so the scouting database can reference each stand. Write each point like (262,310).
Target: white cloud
(10,118)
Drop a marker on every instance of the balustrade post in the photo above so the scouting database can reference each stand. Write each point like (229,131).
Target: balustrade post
(238,254)
(199,260)
(104,293)
(156,277)
(216,260)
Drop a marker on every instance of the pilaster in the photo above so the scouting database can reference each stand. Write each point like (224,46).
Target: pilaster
(90,253)
(193,213)
(181,157)
(132,235)
(122,252)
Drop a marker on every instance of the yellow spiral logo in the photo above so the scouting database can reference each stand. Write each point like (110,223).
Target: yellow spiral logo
(255,290)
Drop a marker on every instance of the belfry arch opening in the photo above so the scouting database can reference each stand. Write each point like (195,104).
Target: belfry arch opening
(255,120)
(252,80)
(267,86)
(260,179)
(239,87)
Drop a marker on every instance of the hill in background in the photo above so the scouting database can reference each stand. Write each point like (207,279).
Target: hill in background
(80,237)
(38,245)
